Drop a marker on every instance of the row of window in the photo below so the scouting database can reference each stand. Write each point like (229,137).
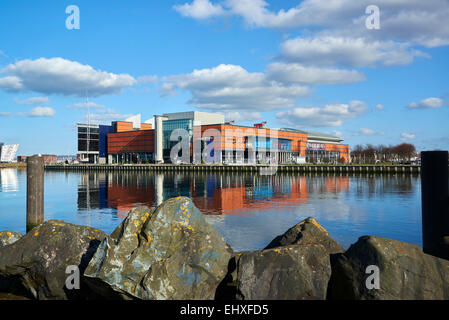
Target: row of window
(91,130)
(82,145)
(92,136)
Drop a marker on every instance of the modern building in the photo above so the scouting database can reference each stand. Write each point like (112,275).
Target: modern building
(88,143)
(93,139)
(210,139)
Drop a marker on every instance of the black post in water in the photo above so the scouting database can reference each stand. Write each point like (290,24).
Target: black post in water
(435,203)
(35,192)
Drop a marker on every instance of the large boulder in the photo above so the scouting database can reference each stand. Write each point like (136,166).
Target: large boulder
(39,259)
(405,272)
(308,231)
(9,237)
(297,272)
(168,253)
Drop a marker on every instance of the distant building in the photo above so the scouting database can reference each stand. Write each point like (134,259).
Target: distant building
(64,158)
(8,152)
(135,142)
(48,158)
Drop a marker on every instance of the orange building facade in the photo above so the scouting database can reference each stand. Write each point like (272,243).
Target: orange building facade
(231,143)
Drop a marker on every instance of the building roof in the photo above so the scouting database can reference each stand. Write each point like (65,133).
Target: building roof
(314,134)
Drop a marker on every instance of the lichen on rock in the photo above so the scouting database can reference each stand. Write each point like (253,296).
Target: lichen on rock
(167,253)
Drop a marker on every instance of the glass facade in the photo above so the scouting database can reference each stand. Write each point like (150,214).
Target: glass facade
(167,128)
(83,138)
(319,156)
(268,143)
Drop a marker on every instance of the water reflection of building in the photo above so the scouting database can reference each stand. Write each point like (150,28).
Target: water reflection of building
(212,194)
(8,180)
(92,191)
(234,194)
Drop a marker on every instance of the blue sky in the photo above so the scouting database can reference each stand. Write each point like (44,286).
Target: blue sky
(311,65)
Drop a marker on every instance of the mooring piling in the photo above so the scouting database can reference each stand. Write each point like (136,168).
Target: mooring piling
(435,203)
(35,192)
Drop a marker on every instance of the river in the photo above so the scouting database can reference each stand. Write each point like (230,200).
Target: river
(247,209)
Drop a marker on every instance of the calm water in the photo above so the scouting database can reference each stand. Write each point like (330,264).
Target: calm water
(248,210)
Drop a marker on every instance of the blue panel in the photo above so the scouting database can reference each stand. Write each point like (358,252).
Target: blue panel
(102,144)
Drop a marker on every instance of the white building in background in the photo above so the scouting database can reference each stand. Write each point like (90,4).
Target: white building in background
(8,152)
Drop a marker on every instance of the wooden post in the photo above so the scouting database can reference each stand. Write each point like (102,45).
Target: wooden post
(35,192)
(435,203)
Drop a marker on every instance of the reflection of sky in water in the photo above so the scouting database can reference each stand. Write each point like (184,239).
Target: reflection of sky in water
(249,211)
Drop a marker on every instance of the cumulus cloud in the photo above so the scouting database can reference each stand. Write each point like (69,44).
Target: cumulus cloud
(428,103)
(368,132)
(330,115)
(349,52)
(41,112)
(61,76)
(407,136)
(297,73)
(5,114)
(10,83)
(230,87)
(200,9)
(413,21)
(33,100)
(379,107)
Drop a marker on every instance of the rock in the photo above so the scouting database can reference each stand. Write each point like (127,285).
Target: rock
(39,259)
(297,272)
(167,253)
(308,231)
(9,237)
(405,272)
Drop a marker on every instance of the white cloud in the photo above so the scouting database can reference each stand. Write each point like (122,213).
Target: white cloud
(416,21)
(368,132)
(297,73)
(106,115)
(147,79)
(5,114)
(10,83)
(61,76)
(33,100)
(379,107)
(230,87)
(428,103)
(349,52)
(331,115)
(338,134)
(41,112)
(407,136)
(200,9)
(167,89)
(239,116)
(83,106)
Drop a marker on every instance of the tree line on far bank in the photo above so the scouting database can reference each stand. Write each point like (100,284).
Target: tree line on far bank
(369,153)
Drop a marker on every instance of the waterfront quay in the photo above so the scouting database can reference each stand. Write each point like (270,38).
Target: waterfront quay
(388,169)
